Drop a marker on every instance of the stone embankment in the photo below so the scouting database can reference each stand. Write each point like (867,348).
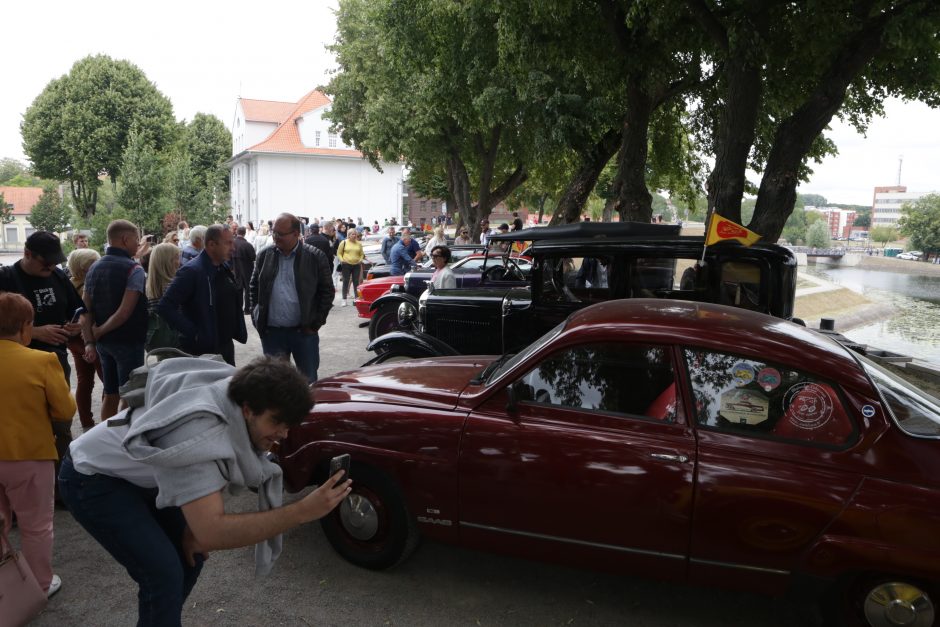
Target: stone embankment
(819,299)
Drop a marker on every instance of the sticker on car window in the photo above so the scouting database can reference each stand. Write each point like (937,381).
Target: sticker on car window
(807,405)
(744,407)
(742,373)
(769,379)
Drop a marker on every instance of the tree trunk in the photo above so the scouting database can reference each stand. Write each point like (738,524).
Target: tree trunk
(796,134)
(458,185)
(633,200)
(736,131)
(593,161)
(542,199)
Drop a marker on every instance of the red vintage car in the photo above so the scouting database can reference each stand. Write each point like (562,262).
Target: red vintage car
(686,441)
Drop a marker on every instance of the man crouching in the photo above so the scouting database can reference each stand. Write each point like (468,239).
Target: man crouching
(150,492)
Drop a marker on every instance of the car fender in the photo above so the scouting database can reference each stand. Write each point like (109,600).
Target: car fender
(394,297)
(411,344)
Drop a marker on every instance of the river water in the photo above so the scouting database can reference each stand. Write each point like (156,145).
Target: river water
(914,329)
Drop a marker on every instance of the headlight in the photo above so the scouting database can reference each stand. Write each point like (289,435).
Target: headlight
(406,314)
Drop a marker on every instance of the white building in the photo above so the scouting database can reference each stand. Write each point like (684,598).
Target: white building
(285,159)
(887,203)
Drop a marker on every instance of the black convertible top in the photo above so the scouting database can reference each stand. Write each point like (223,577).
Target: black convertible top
(589,230)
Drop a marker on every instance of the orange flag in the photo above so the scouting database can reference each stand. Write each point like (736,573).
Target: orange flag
(721,229)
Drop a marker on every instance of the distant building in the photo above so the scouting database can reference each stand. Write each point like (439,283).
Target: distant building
(22,200)
(887,203)
(420,210)
(286,159)
(840,220)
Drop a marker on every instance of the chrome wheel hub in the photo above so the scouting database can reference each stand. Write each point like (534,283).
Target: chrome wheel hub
(359,518)
(897,604)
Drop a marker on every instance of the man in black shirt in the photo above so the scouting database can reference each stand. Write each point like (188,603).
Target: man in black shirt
(243,264)
(54,299)
(320,242)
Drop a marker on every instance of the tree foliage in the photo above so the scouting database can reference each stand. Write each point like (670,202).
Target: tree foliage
(10,168)
(50,213)
(921,223)
(6,211)
(817,234)
(76,130)
(142,184)
(883,235)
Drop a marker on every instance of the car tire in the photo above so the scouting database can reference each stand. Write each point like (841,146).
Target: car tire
(372,528)
(384,320)
(847,605)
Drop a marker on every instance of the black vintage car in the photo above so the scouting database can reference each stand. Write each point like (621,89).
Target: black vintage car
(577,265)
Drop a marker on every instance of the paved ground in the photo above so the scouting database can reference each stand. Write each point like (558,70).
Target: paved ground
(312,585)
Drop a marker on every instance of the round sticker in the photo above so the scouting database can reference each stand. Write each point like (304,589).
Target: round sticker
(769,379)
(868,411)
(742,373)
(807,405)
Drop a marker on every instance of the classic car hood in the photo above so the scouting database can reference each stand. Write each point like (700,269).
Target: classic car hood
(431,383)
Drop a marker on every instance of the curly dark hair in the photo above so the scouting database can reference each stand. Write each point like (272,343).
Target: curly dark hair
(445,251)
(271,383)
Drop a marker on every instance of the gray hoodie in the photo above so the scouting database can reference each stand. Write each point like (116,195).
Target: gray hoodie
(197,442)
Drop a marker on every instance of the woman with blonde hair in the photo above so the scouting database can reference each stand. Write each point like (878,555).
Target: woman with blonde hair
(173,237)
(80,260)
(437,240)
(164,262)
(350,254)
(263,239)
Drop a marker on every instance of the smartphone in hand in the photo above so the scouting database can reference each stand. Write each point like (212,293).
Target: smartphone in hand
(77,315)
(340,462)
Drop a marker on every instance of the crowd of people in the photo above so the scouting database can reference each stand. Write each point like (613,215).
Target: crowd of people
(156,480)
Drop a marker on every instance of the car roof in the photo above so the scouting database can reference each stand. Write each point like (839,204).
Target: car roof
(720,327)
(589,230)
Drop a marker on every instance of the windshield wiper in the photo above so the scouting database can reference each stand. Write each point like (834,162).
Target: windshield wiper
(484,374)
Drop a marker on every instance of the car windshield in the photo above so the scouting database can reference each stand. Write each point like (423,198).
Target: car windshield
(509,364)
(916,412)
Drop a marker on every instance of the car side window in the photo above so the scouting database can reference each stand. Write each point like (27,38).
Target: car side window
(740,285)
(623,379)
(753,397)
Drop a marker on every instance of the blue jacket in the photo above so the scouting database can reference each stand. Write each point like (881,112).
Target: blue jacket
(402,257)
(188,306)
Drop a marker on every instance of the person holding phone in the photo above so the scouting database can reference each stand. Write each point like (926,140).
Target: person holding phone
(150,492)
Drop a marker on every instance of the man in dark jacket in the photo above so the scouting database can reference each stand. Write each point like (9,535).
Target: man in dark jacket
(320,242)
(117,312)
(243,264)
(203,302)
(291,296)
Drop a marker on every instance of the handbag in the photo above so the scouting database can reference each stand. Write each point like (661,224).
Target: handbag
(21,598)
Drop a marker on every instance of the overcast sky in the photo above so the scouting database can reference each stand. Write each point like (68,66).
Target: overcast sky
(204,55)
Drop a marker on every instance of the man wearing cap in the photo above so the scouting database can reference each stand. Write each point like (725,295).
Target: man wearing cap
(115,327)
(55,302)
(54,299)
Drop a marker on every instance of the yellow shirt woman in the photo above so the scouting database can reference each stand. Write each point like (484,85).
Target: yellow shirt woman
(350,252)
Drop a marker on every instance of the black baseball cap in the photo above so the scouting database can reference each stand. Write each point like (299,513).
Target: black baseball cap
(46,245)
(503,227)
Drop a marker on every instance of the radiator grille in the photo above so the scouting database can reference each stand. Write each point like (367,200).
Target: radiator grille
(468,336)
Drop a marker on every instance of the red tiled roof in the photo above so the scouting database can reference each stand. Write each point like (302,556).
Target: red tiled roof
(22,198)
(286,138)
(266,110)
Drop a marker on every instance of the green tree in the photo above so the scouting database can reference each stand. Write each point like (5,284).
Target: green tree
(24,180)
(862,216)
(98,224)
(143,185)
(817,234)
(813,200)
(6,211)
(920,221)
(50,213)
(10,168)
(780,84)
(77,128)
(209,144)
(883,235)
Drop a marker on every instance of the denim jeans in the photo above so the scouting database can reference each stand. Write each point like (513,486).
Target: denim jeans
(147,541)
(118,359)
(305,348)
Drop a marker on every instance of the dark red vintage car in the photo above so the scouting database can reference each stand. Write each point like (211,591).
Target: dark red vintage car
(686,441)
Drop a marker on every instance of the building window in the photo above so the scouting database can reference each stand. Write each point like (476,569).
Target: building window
(13,235)
(332,140)
(316,138)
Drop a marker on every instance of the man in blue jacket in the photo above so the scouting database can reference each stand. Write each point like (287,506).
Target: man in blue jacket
(203,302)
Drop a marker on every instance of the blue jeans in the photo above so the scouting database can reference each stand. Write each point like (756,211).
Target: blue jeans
(304,347)
(147,541)
(117,361)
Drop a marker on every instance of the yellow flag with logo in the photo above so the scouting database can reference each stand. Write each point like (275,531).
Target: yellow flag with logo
(721,229)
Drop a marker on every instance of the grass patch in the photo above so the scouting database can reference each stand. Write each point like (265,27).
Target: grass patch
(822,304)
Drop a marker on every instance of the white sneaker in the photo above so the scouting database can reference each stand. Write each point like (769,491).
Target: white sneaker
(54,586)
(343,304)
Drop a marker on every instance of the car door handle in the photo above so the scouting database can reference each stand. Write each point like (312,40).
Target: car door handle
(666,457)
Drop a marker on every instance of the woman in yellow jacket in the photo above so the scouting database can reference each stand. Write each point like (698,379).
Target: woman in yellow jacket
(34,387)
(350,256)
